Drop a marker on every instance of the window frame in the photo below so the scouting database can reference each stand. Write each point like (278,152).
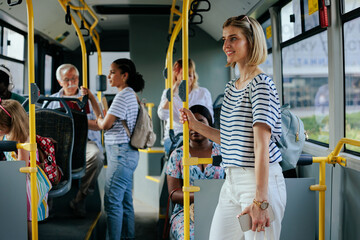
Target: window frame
(3,25)
(302,36)
(344,18)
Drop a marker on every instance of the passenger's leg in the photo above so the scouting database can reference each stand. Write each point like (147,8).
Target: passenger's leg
(177,227)
(128,230)
(118,177)
(94,163)
(225,225)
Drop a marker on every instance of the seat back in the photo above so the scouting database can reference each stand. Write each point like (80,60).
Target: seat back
(80,140)
(59,126)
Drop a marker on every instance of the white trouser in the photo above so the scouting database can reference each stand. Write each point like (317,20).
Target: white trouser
(237,193)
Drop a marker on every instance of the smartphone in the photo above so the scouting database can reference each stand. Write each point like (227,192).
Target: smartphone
(246,223)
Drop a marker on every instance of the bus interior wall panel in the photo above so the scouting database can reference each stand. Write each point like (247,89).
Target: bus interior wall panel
(148,50)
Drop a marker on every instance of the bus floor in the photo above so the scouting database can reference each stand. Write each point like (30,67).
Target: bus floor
(62,224)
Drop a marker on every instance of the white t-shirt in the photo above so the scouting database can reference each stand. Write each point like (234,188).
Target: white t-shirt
(198,96)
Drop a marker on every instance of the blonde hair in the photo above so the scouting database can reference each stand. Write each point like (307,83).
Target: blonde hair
(192,69)
(254,34)
(18,123)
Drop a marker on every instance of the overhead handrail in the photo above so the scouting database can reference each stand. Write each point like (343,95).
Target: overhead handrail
(96,38)
(68,15)
(195,4)
(14,3)
(63,3)
(199,21)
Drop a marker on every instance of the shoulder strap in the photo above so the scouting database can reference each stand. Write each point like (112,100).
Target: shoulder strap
(126,127)
(124,121)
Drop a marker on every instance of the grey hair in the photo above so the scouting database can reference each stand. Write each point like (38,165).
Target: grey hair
(63,69)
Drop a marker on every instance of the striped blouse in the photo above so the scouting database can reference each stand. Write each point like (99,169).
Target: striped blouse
(238,116)
(123,107)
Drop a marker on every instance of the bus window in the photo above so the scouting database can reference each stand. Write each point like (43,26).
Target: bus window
(290,20)
(311,14)
(292,24)
(349,5)
(48,74)
(17,72)
(268,32)
(267,66)
(13,44)
(352,80)
(305,84)
(107,58)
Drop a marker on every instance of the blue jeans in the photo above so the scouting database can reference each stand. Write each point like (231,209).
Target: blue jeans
(122,161)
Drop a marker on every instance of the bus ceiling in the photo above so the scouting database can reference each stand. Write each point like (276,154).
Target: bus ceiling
(49,17)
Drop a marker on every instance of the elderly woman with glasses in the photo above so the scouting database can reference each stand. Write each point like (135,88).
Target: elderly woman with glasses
(249,128)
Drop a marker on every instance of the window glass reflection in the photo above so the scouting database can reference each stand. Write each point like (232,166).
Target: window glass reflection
(13,44)
(305,84)
(352,81)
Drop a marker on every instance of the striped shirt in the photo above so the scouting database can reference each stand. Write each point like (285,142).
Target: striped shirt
(123,107)
(238,116)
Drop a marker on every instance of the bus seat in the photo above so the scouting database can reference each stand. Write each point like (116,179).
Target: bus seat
(80,140)
(80,134)
(59,126)
(217,109)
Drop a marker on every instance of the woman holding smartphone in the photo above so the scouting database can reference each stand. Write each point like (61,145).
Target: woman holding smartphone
(249,129)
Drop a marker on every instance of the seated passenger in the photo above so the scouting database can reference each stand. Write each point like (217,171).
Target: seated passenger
(7,85)
(68,77)
(199,147)
(14,126)
(197,95)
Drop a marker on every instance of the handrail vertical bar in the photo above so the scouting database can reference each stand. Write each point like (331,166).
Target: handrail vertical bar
(32,122)
(170,70)
(322,177)
(82,44)
(185,61)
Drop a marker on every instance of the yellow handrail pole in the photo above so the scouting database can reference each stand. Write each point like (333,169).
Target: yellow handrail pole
(332,158)
(170,71)
(82,42)
(186,172)
(32,134)
(96,39)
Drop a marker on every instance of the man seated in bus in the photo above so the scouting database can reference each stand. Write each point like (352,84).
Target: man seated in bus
(67,76)
(199,146)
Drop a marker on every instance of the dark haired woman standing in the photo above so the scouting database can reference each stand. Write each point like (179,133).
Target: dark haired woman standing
(122,158)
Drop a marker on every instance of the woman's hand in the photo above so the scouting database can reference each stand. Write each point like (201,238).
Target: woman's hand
(187,115)
(260,218)
(84,91)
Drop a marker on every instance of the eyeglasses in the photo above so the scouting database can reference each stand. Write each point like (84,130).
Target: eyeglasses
(67,80)
(242,17)
(4,109)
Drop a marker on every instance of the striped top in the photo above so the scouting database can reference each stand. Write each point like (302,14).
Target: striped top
(238,115)
(123,107)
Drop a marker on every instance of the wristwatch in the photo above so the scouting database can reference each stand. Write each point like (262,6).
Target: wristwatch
(262,205)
